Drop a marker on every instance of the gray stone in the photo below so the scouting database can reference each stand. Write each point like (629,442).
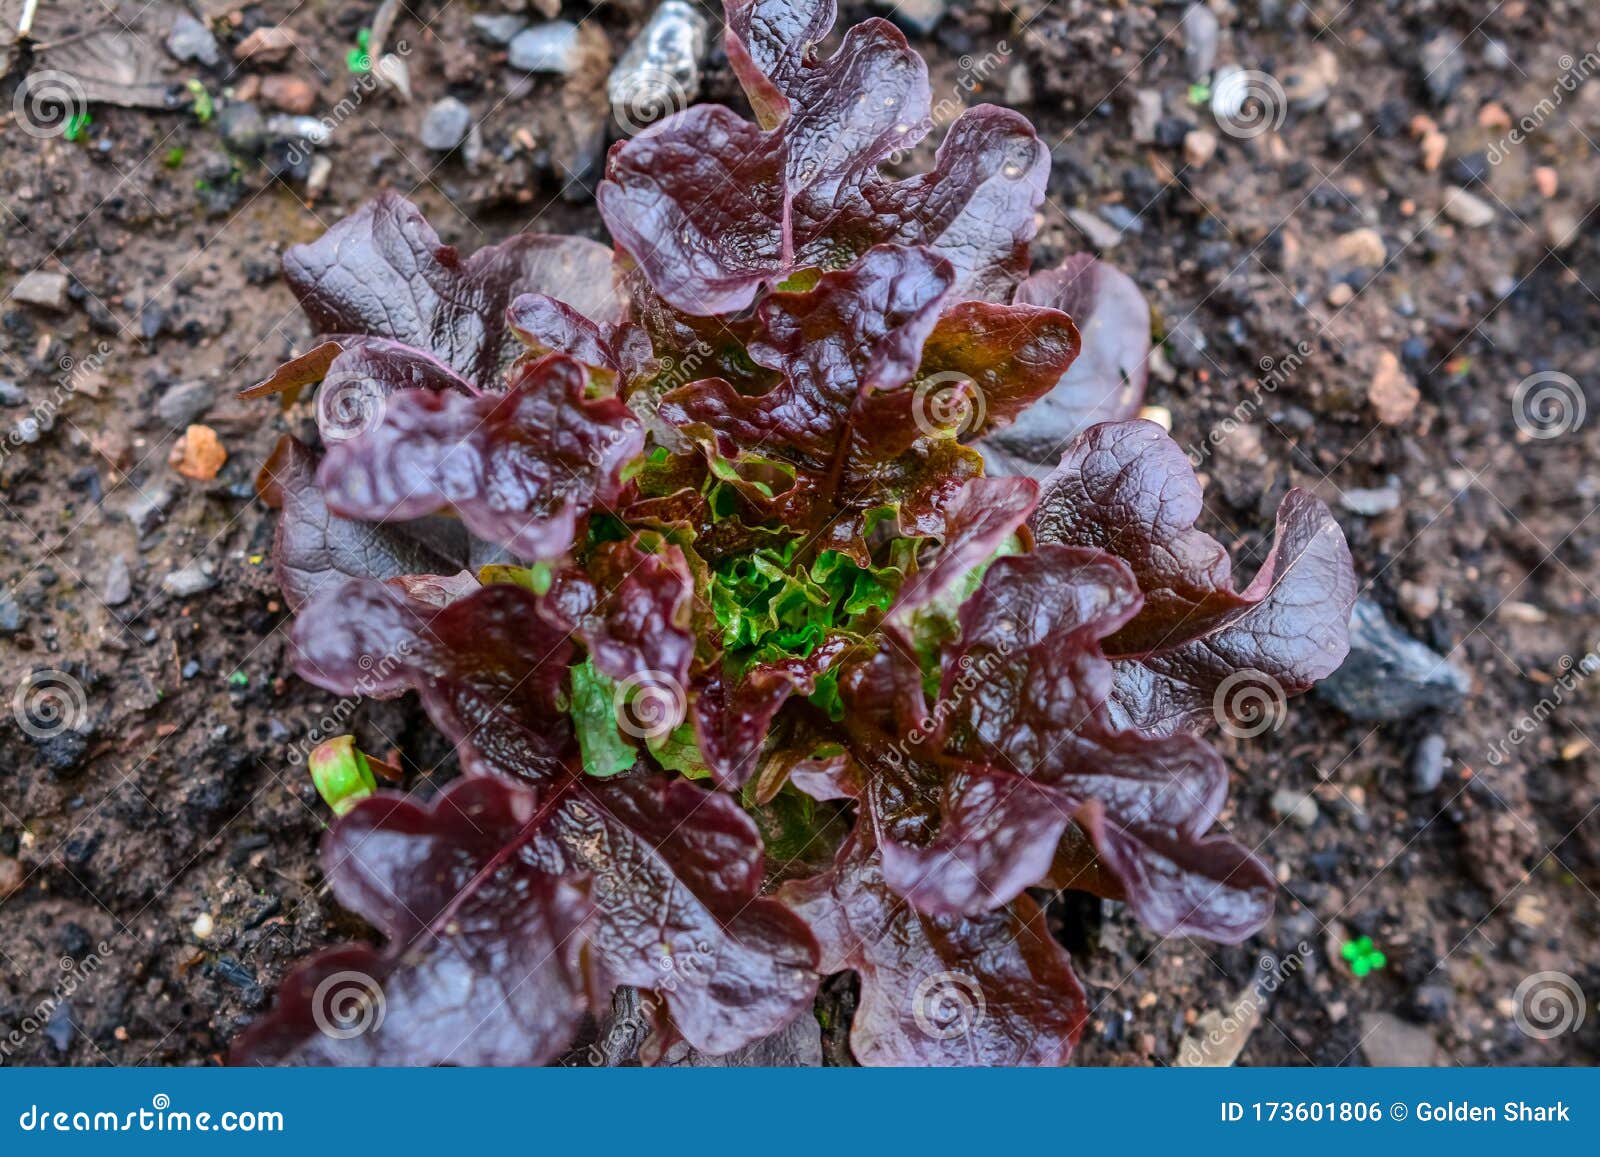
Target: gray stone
(1201,32)
(1096,229)
(119,582)
(1442,63)
(916,17)
(192,40)
(1389,675)
(148,507)
(44,289)
(497,27)
(242,127)
(185,403)
(1389,1042)
(1467,209)
(12,394)
(12,617)
(191,580)
(1427,764)
(1144,115)
(549,47)
(1299,806)
(1370,503)
(445,125)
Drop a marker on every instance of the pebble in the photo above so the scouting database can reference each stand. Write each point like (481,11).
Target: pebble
(659,72)
(497,27)
(12,394)
(1289,804)
(1467,209)
(1442,64)
(1144,114)
(191,580)
(190,39)
(1547,181)
(1391,392)
(1369,503)
(1419,600)
(11,876)
(148,507)
(242,127)
(1389,1042)
(1389,675)
(551,47)
(445,125)
(1201,31)
(1097,230)
(184,403)
(270,45)
(44,289)
(204,925)
(1361,247)
(1307,85)
(12,617)
(1199,147)
(917,17)
(1340,295)
(1427,764)
(317,174)
(292,94)
(119,582)
(59,1027)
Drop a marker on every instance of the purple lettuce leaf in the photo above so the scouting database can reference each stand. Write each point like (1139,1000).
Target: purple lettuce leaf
(521,468)
(314,550)
(382,273)
(490,668)
(481,963)
(1199,652)
(632,608)
(677,874)
(712,209)
(991,989)
(1107,381)
(857,331)
(1020,744)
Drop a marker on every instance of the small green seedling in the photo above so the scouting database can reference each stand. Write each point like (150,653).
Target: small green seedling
(1362,956)
(77,125)
(359,59)
(342,774)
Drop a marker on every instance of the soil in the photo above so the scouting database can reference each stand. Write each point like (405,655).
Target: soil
(157,865)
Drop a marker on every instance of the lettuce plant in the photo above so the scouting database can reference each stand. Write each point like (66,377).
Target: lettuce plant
(754,673)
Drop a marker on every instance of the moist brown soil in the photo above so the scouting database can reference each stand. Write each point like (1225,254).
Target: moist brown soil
(160,864)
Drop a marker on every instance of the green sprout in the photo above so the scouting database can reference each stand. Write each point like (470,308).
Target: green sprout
(1199,94)
(1362,956)
(204,106)
(77,125)
(359,58)
(239,679)
(342,774)
(174,157)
